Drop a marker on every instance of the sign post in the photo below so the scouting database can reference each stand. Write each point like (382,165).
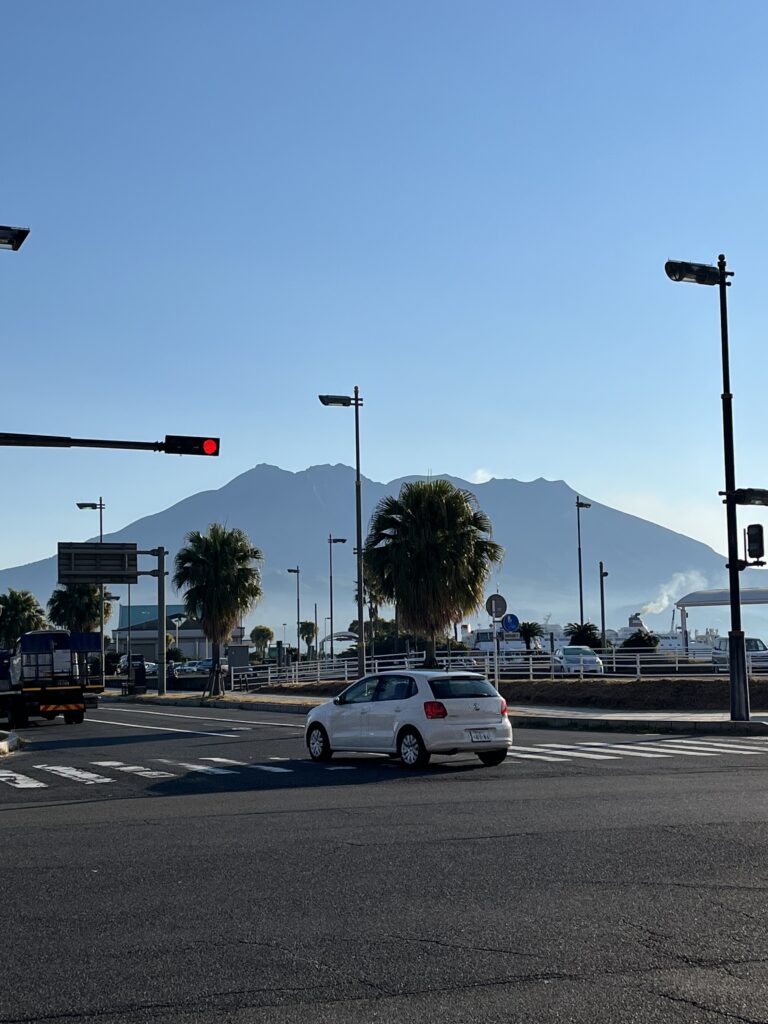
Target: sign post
(496,606)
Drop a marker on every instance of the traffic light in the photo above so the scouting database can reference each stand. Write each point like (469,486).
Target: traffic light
(180,444)
(755,545)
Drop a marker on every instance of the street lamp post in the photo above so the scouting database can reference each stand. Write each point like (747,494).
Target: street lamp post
(331,541)
(704,273)
(100,506)
(603,574)
(579,506)
(178,620)
(297,572)
(356,401)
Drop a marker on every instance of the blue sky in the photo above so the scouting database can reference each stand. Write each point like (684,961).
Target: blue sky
(463,208)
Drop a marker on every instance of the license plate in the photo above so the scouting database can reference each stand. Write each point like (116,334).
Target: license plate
(480,736)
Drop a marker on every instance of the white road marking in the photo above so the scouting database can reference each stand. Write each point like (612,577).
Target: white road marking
(74,774)
(684,751)
(535,757)
(247,764)
(628,749)
(160,728)
(20,781)
(572,750)
(197,718)
(279,759)
(343,768)
(725,748)
(134,769)
(205,768)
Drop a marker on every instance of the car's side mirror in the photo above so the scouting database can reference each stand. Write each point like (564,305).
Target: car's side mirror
(338,700)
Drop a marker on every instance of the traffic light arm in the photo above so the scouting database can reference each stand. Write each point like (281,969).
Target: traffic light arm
(174,444)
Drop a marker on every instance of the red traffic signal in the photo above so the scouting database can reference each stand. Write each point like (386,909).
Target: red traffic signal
(180,444)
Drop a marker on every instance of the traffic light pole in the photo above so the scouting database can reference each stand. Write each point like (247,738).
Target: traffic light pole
(737,655)
(174,444)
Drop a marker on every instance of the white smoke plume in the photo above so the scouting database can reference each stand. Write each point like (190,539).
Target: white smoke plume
(681,583)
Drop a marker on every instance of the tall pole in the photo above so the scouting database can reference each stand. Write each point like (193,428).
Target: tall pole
(330,577)
(161,553)
(298,617)
(129,631)
(101,594)
(603,574)
(737,658)
(359,526)
(581,584)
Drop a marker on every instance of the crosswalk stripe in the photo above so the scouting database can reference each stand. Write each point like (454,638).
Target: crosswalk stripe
(626,749)
(572,750)
(247,764)
(134,769)
(662,746)
(74,774)
(206,769)
(726,748)
(20,781)
(513,752)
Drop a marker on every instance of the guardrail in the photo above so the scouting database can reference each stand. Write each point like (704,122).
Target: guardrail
(616,662)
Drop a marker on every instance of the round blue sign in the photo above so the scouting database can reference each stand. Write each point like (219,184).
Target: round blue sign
(510,623)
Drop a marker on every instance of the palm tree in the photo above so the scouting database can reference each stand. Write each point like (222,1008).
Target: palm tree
(307,632)
(530,631)
(431,550)
(641,638)
(221,579)
(20,613)
(583,634)
(260,638)
(75,606)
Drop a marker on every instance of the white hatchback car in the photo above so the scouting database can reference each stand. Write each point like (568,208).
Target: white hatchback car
(576,661)
(412,715)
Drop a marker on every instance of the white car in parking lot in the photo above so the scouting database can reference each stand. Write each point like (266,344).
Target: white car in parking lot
(412,715)
(576,661)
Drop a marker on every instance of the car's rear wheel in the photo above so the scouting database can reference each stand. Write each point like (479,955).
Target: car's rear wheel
(318,744)
(410,747)
(491,758)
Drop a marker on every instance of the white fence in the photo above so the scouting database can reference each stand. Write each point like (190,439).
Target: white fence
(617,662)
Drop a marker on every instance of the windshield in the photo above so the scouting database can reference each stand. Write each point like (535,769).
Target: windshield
(461,686)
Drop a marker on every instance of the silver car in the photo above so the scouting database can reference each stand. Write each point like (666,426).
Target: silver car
(576,661)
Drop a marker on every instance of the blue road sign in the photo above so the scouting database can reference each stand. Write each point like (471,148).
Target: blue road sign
(510,623)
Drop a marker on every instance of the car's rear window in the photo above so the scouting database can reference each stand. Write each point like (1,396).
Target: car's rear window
(461,686)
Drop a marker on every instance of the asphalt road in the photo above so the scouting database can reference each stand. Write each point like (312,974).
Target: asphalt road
(193,866)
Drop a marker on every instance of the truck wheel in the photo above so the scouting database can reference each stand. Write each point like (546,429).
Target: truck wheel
(74,717)
(49,715)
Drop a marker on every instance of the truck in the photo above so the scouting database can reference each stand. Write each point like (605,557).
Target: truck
(40,678)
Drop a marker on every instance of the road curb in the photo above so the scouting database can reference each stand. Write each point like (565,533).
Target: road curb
(519,719)
(637,725)
(9,741)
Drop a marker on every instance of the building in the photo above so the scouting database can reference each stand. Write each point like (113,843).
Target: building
(192,641)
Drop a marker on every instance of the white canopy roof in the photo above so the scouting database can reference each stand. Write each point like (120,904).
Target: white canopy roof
(702,598)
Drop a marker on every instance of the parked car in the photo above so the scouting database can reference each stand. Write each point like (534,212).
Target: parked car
(757,654)
(186,668)
(122,665)
(575,661)
(412,715)
(207,664)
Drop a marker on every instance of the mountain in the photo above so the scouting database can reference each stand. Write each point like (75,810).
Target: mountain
(289,516)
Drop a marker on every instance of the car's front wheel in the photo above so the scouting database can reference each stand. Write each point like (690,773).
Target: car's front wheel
(492,758)
(411,749)
(318,744)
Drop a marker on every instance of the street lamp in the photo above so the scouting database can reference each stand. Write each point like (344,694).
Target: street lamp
(93,505)
(178,620)
(603,574)
(331,541)
(579,506)
(703,273)
(12,238)
(345,401)
(297,573)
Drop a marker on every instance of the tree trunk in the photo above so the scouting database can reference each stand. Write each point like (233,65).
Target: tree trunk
(430,659)
(215,669)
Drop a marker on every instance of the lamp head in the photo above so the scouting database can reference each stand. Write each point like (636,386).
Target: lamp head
(12,238)
(87,504)
(341,400)
(695,273)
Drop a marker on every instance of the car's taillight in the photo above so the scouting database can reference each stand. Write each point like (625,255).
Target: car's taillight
(435,709)
(503,707)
